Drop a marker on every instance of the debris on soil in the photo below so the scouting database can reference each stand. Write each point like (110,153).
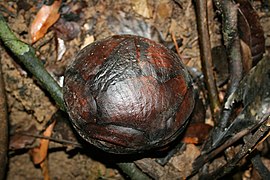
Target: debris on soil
(70,26)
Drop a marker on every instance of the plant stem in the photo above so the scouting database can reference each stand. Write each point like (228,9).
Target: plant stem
(206,58)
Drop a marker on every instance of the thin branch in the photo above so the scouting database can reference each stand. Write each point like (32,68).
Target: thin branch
(251,142)
(175,44)
(229,12)
(3,127)
(60,141)
(206,57)
(209,156)
(132,171)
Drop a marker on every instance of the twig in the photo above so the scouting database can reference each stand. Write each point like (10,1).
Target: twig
(132,171)
(229,12)
(209,156)
(231,40)
(175,44)
(3,127)
(26,55)
(61,141)
(251,142)
(206,57)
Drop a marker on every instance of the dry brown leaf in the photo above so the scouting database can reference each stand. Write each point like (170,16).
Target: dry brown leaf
(183,162)
(19,141)
(250,29)
(39,154)
(142,8)
(196,133)
(45,169)
(164,9)
(45,18)
(190,140)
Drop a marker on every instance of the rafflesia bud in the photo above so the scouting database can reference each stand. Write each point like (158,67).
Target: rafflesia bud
(128,94)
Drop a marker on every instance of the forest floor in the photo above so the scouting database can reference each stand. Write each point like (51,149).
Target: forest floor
(82,22)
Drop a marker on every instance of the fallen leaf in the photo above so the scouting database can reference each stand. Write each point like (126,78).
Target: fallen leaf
(250,29)
(183,162)
(190,140)
(61,48)
(19,141)
(196,133)
(67,30)
(39,154)
(246,57)
(125,23)
(45,169)
(254,95)
(45,18)
(142,8)
(87,40)
(220,64)
(164,9)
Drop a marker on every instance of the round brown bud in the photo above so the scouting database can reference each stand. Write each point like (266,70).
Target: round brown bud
(128,94)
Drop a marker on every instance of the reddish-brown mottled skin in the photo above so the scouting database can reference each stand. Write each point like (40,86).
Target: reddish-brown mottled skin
(128,94)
